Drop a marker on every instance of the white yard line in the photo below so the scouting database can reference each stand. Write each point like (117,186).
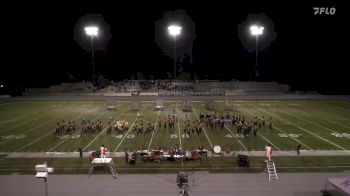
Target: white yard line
(321,138)
(336,107)
(29,114)
(32,142)
(334,110)
(269,141)
(50,132)
(236,138)
(344,102)
(76,133)
(275,127)
(26,122)
(156,128)
(314,123)
(29,130)
(12,119)
(330,121)
(178,125)
(5,103)
(126,134)
(203,127)
(104,129)
(229,130)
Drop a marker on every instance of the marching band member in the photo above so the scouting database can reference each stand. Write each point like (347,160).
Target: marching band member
(103,153)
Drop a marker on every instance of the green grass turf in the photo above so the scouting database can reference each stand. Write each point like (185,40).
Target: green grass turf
(313,121)
(316,123)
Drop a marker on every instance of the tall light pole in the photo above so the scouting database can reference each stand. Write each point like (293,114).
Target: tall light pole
(256,31)
(174,30)
(92,31)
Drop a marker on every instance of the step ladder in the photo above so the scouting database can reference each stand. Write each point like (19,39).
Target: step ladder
(113,169)
(103,162)
(271,170)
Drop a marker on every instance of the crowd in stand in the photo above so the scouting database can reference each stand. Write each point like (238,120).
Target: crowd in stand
(191,93)
(166,88)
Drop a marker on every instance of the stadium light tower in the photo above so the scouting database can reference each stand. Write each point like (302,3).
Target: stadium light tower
(256,31)
(92,31)
(174,30)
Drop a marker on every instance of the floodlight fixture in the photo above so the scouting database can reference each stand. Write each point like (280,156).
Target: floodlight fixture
(91,30)
(256,30)
(174,30)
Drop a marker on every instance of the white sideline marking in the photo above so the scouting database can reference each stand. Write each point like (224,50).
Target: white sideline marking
(51,111)
(312,122)
(29,130)
(50,132)
(126,134)
(269,141)
(104,129)
(335,108)
(30,143)
(26,122)
(330,121)
(275,127)
(155,129)
(203,127)
(307,131)
(236,138)
(76,132)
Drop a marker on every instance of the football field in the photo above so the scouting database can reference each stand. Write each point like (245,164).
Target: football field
(29,126)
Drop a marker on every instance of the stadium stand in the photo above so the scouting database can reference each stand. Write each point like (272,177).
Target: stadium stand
(167,88)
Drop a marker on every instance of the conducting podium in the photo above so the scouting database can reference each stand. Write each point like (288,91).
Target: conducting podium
(108,162)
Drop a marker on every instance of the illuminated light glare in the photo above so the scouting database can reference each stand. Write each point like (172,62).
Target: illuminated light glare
(91,30)
(256,30)
(174,30)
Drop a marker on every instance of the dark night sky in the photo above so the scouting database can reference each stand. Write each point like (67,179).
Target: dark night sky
(308,52)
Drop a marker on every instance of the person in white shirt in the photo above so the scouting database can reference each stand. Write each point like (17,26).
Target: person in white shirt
(103,153)
(268,149)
